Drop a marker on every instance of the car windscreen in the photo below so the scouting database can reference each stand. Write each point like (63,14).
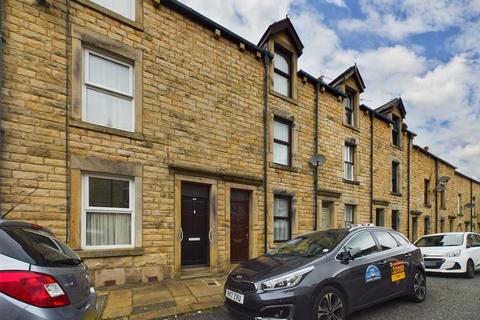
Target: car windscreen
(41,247)
(313,244)
(445,240)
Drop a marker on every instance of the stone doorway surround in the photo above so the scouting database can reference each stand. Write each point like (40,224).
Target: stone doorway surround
(253,219)
(213,220)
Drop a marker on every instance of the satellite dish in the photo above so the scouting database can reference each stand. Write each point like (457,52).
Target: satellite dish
(470,205)
(441,188)
(443,179)
(317,160)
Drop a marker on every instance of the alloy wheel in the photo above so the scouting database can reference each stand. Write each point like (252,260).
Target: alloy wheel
(419,286)
(330,307)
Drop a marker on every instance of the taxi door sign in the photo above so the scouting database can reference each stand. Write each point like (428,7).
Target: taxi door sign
(398,271)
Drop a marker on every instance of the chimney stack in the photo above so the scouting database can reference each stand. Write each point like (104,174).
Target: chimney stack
(426,148)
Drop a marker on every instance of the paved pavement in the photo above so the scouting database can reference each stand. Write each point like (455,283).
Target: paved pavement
(449,297)
(162,299)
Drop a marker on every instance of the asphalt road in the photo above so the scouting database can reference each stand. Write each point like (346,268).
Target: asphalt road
(448,297)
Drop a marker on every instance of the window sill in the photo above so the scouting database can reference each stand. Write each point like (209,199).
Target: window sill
(111,14)
(351,127)
(427,205)
(396,194)
(396,147)
(90,254)
(354,182)
(281,96)
(102,129)
(283,167)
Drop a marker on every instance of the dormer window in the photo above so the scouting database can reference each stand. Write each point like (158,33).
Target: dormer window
(282,71)
(349,104)
(396,130)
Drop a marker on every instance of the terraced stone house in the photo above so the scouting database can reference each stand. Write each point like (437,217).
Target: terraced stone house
(162,144)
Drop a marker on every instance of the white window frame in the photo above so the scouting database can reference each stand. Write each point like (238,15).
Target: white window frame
(345,162)
(132,2)
(130,95)
(352,222)
(86,208)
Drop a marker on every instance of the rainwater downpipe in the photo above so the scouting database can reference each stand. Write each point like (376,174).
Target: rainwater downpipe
(372,118)
(436,195)
(315,168)
(266,63)
(408,182)
(2,3)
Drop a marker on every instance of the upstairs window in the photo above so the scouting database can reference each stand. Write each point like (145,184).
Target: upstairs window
(282,79)
(396,130)
(443,203)
(459,203)
(395,177)
(282,140)
(349,105)
(426,192)
(124,8)
(108,92)
(349,162)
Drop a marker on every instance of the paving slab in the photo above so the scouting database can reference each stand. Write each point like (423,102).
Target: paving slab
(119,304)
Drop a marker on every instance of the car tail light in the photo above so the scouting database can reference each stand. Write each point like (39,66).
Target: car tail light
(38,289)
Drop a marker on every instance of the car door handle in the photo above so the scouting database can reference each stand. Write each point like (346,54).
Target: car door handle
(382,263)
(408,255)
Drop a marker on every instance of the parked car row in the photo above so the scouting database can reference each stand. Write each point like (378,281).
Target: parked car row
(41,277)
(330,274)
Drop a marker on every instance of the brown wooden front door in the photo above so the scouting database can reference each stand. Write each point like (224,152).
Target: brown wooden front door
(195,224)
(239,224)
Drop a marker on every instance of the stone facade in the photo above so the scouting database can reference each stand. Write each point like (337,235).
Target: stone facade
(199,110)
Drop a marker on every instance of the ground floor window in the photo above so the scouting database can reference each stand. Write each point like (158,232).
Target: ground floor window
(396,220)
(349,215)
(108,212)
(380,217)
(426,226)
(414,228)
(282,224)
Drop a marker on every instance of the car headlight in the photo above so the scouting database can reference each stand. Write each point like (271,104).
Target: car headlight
(286,281)
(451,254)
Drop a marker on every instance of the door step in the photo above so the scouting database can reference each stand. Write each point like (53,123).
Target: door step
(196,272)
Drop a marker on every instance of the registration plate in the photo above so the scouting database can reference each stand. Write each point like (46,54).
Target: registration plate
(398,271)
(232,295)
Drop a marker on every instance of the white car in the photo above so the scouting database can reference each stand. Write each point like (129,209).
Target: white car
(453,252)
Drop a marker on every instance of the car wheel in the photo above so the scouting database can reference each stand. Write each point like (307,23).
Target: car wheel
(329,305)
(418,287)
(470,273)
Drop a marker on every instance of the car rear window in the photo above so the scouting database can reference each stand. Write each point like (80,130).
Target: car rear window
(386,240)
(400,238)
(39,247)
(443,240)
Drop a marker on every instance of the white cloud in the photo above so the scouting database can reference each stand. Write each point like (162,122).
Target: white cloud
(445,94)
(397,20)
(338,3)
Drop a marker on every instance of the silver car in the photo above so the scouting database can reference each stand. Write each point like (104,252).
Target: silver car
(41,277)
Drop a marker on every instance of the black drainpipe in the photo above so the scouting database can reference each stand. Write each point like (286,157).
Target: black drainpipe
(315,168)
(408,182)
(471,209)
(1,71)
(372,118)
(436,195)
(266,63)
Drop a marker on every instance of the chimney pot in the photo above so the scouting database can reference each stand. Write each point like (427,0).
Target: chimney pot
(426,148)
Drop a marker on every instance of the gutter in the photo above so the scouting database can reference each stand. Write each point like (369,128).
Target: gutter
(266,63)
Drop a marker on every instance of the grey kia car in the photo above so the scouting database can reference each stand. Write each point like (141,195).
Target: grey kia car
(41,277)
(327,275)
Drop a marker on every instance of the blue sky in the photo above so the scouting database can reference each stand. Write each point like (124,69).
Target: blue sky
(425,51)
